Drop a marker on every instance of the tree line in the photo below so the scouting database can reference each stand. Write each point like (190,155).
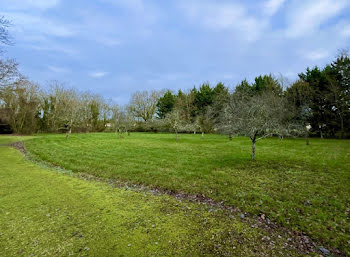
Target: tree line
(317,104)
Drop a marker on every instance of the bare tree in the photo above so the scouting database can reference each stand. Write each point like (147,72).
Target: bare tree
(185,103)
(72,104)
(122,120)
(192,126)
(176,121)
(205,121)
(94,112)
(143,104)
(4,34)
(21,104)
(9,73)
(257,117)
(118,120)
(284,81)
(65,107)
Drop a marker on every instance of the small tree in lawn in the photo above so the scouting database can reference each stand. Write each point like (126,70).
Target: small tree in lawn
(73,113)
(118,120)
(175,121)
(129,123)
(257,117)
(192,127)
(122,121)
(204,121)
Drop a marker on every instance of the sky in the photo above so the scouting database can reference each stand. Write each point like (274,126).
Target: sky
(116,47)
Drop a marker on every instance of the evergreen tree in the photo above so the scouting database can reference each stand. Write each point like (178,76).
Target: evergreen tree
(166,104)
(204,97)
(244,87)
(266,83)
(321,114)
(338,76)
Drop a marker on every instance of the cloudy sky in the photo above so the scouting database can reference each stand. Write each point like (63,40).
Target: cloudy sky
(116,47)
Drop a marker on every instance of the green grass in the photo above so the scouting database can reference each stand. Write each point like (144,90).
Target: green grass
(306,188)
(47,213)
(4,140)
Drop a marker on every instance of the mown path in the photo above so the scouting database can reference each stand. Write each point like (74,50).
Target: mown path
(46,213)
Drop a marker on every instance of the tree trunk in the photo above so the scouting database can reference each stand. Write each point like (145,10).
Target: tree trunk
(230,137)
(21,126)
(253,149)
(321,133)
(176,134)
(341,126)
(307,138)
(68,133)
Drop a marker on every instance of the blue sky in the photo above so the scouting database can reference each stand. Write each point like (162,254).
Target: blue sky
(116,47)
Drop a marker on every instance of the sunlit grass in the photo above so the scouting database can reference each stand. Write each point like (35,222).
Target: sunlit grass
(5,139)
(306,188)
(45,213)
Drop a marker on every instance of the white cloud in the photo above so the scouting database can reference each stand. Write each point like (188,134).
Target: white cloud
(29,4)
(317,55)
(108,41)
(136,5)
(345,31)
(40,33)
(98,74)
(223,16)
(307,17)
(228,76)
(36,25)
(57,69)
(271,7)
(50,47)
(143,12)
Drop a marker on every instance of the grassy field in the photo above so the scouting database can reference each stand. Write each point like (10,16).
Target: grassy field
(306,188)
(44,212)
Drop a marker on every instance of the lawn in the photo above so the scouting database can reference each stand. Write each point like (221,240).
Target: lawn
(45,212)
(305,188)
